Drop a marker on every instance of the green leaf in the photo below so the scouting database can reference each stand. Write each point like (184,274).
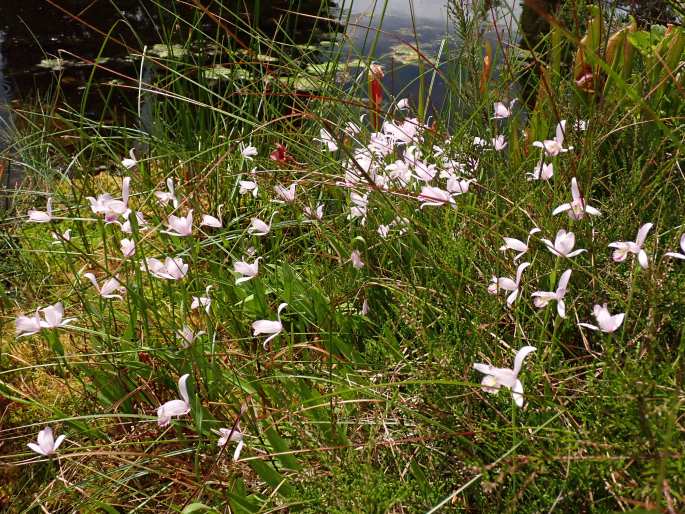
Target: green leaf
(272,477)
(197,507)
(106,507)
(642,41)
(280,446)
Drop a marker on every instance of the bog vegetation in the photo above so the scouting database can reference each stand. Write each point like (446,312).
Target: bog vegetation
(292,292)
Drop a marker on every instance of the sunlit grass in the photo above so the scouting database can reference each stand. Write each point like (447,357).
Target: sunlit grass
(366,400)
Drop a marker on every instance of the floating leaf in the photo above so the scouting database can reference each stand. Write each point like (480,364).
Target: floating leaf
(258,57)
(164,51)
(219,72)
(53,64)
(308,47)
(302,82)
(325,67)
(404,54)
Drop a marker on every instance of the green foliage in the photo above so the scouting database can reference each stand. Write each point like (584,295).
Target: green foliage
(348,410)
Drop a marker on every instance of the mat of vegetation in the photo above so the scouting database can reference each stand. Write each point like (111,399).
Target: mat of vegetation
(332,299)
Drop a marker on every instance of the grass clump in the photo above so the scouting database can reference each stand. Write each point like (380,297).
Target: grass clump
(384,238)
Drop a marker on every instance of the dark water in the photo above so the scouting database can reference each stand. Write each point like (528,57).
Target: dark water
(49,38)
(44,38)
(48,47)
(428,25)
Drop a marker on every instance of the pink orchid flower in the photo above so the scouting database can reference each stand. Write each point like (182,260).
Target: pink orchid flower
(246,270)
(502,111)
(170,269)
(542,298)
(577,208)
(675,255)
(131,161)
(260,228)
(495,378)
(231,435)
(28,325)
(181,226)
(435,197)
(202,301)
(508,284)
(511,243)
(53,315)
(110,207)
(108,288)
(563,244)
(164,197)
(623,248)
(248,152)
(554,147)
(265,326)
(286,194)
(356,259)
(249,186)
(47,444)
(41,216)
(128,247)
(210,221)
(605,321)
(314,214)
(175,408)
(542,171)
